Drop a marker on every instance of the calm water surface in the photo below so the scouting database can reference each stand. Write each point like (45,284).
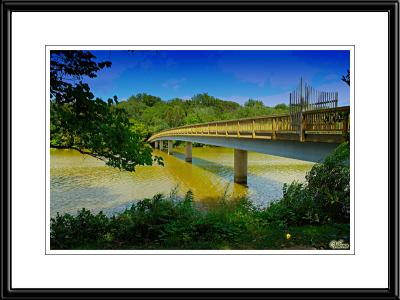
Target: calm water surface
(78,181)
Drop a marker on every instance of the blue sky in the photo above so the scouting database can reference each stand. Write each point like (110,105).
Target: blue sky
(236,75)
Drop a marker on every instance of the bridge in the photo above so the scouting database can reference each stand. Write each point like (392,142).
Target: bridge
(308,135)
(314,126)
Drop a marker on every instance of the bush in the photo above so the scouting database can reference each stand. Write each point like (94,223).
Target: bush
(329,185)
(159,222)
(324,198)
(68,231)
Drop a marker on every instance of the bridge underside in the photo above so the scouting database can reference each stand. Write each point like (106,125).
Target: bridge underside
(307,151)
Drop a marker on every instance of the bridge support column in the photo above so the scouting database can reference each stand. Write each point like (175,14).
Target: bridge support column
(302,127)
(170,146)
(161,145)
(240,166)
(155,144)
(188,152)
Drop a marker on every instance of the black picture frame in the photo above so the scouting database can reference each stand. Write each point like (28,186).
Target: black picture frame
(8,7)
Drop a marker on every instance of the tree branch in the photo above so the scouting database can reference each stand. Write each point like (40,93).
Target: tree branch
(79,150)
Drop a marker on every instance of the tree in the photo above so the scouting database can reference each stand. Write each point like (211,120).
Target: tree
(204,100)
(67,69)
(254,103)
(87,124)
(174,116)
(346,78)
(148,100)
(282,106)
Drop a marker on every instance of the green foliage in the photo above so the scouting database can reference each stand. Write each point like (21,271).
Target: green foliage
(162,223)
(90,125)
(329,184)
(324,198)
(158,115)
(281,106)
(346,78)
(74,230)
(174,116)
(67,68)
(253,103)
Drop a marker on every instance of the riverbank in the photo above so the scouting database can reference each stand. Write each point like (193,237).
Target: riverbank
(310,215)
(161,223)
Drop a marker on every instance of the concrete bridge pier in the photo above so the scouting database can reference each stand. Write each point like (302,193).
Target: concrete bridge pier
(161,145)
(188,152)
(170,147)
(240,166)
(155,144)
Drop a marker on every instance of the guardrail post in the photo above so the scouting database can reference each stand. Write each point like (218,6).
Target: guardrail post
(253,133)
(238,129)
(226,128)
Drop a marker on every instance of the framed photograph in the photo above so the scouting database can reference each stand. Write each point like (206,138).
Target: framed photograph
(200,149)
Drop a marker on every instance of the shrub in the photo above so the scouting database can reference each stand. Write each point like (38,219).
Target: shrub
(68,231)
(329,185)
(324,198)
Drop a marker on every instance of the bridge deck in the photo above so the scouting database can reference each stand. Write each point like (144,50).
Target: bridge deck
(324,125)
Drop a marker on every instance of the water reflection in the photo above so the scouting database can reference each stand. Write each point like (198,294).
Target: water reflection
(81,181)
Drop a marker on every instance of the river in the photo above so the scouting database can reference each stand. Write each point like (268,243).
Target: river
(78,181)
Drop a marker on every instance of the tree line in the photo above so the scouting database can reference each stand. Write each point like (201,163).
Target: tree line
(156,114)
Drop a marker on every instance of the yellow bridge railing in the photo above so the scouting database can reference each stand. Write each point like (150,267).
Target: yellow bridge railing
(323,125)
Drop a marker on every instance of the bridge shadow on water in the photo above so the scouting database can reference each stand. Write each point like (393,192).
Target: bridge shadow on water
(259,189)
